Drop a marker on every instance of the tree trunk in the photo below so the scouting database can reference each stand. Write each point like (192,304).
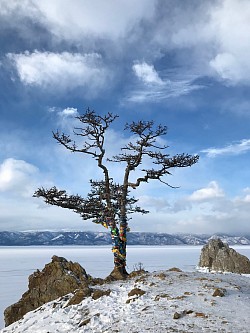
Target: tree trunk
(119,242)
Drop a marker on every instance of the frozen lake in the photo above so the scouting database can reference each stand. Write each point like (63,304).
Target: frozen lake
(17,263)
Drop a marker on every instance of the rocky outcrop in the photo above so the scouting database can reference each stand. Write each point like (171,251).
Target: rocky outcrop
(58,278)
(218,256)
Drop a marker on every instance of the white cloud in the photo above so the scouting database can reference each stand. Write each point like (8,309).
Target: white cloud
(147,73)
(32,214)
(247,198)
(214,35)
(207,210)
(153,88)
(17,176)
(69,112)
(155,203)
(74,19)
(228,67)
(157,93)
(64,113)
(232,33)
(24,8)
(234,149)
(212,191)
(67,119)
(61,71)
(20,211)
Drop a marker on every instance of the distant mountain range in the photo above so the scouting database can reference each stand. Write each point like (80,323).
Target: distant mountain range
(8,238)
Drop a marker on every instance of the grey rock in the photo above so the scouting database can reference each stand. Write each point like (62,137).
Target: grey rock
(218,256)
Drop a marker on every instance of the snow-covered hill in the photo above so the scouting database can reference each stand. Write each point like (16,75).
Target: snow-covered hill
(166,301)
(103,238)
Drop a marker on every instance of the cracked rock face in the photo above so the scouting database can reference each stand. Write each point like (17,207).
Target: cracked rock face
(58,278)
(218,256)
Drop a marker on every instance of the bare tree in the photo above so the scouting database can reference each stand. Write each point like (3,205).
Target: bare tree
(109,203)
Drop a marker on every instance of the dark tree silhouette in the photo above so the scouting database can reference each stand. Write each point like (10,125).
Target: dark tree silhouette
(109,203)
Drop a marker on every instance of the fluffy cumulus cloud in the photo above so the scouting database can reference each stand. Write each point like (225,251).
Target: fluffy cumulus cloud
(210,192)
(228,67)
(69,112)
(65,113)
(233,149)
(231,20)
(17,176)
(147,73)
(60,70)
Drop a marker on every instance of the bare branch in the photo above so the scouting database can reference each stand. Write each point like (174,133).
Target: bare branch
(107,198)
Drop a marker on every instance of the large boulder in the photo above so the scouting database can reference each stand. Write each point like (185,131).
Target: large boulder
(218,256)
(58,278)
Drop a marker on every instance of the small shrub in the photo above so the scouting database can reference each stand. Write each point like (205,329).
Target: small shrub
(138,267)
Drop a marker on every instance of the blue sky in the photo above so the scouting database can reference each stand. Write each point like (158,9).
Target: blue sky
(184,64)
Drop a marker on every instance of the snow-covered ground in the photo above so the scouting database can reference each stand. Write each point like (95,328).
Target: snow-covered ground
(17,263)
(172,302)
